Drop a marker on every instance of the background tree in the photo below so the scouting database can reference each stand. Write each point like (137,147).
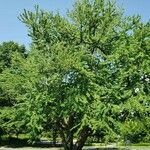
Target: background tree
(7,50)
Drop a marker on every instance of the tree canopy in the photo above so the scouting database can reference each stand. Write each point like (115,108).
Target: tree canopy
(84,73)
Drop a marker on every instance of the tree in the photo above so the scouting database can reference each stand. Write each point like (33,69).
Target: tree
(78,73)
(7,51)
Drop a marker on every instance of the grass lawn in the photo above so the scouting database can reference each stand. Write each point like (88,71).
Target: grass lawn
(85,148)
(140,147)
(119,148)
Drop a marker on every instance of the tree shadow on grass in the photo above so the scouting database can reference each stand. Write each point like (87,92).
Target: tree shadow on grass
(18,143)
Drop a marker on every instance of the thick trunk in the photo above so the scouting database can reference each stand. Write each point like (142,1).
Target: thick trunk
(66,132)
(67,140)
(85,132)
(70,140)
(67,129)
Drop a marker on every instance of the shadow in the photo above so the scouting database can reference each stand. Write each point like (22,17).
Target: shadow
(104,149)
(19,143)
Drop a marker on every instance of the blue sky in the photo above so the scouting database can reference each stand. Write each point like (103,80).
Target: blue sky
(12,29)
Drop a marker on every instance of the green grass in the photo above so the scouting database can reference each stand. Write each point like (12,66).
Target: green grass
(136,144)
(20,136)
(141,144)
(85,148)
(22,145)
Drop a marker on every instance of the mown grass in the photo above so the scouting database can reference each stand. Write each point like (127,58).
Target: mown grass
(21,143)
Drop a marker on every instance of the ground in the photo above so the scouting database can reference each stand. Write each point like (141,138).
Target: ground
(86,147)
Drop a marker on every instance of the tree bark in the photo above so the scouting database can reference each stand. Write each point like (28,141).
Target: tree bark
(54,136)
(66,130)
(85,132)
(67,140)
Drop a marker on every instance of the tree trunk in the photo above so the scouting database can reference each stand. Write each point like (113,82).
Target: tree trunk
(54,136)
(67,131)
(67,139)
(85,132)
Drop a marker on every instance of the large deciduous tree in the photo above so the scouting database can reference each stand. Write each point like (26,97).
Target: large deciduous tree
(84,73)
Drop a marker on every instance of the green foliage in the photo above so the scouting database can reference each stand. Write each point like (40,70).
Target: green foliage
(134,131)
(8,122)
(7,49)
(85,73)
